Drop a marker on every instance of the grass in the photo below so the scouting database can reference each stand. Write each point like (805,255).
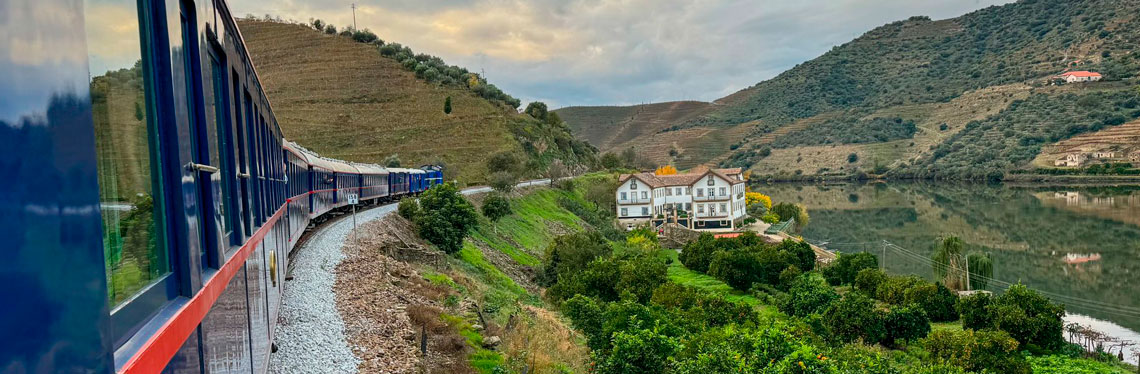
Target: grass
(472,260)
(683,276)
(527,232)
(342,99)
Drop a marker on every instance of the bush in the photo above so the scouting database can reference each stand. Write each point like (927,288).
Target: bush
(852,158)
(1028,317)
(701,307)
(496,206)
(789,276)
(974,313)
(854,317)
(803,256)
(868,281)
(640,351)
(741,268)
(503,181)
(409,209)
(503,161)
(570,253)
(991,351)
(698,254)
(847,266)
(445,217)
(808,294)
(939,303)
(906,324)
(893,291)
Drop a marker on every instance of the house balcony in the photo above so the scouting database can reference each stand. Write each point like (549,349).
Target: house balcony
(635,200)
(712,198)
(712,215)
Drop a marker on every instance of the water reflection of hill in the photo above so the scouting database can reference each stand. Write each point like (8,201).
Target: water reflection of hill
(1028,236)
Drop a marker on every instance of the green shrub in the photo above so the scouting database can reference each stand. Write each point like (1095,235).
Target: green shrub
(1028,317)
(803,257)
(854,318)
(496,206)
(698,254)
(741,268)
(503,181)
(868,281)
(808,294)
(906,324)
(974,313)
(789,276)
(993,351)
(939,303)
(587,315)
(844,269)
(703,308)
(445,217)
(893,291)
(570,253)
(1068,365)
(409,209)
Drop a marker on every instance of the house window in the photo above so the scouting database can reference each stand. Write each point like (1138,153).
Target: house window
(688,190)
(712,208)
(644,195)
(624,212)
(700,192)
(723,191)
(712,192)
(633,185)
(688,206)
(668,192)
(711,181)
(623,196)
(723,208)
(644,211)
(678,191)
(700,208)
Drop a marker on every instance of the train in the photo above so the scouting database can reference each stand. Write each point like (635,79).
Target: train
(150,199)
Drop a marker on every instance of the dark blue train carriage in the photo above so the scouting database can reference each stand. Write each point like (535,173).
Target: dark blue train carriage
(152,199)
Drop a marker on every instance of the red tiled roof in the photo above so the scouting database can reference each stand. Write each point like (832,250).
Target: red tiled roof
(1081,74)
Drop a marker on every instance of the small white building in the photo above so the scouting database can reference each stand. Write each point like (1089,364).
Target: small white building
(1072,160)
(701,199)
(1080,76)
(1104,155)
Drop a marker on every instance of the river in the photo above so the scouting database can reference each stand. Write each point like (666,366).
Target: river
(1080,245)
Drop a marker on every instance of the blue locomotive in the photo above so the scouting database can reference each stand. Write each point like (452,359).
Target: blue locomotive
(149,199)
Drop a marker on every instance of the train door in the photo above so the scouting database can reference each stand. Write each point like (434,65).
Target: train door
(225,180)
(206,160)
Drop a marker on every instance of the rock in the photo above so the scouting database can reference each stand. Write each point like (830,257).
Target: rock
(477,327)
(491,342)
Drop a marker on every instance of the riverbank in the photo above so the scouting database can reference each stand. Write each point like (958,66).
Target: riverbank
(1008,178)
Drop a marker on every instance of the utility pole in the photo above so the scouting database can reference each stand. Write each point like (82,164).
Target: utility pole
(354,16)
(967,261)
(883,263)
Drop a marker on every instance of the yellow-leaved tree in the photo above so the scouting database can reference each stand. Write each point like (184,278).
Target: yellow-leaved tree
(756,197)
(666,170)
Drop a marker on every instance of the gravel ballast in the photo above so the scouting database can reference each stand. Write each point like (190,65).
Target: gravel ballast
(310,333)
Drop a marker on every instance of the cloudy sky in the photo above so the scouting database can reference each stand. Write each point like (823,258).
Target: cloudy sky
(617,52)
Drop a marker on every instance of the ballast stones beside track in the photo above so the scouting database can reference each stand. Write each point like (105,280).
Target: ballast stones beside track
(310,334)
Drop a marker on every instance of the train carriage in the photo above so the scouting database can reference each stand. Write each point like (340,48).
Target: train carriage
(373,182)
(297,181)
(398,182)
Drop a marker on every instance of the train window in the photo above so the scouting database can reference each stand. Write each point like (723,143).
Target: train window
(127,153)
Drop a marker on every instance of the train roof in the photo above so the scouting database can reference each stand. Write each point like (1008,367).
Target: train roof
(317,161)
(298,150)
(404,170)
(370,168)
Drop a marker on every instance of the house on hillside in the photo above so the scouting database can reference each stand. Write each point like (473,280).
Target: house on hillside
(1072,160)
(1104,155)
(702,199)
(1080,76)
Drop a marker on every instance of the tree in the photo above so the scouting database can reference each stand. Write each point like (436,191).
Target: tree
(503,161)
(753,198)
(786,211)
(446,217)
(665,170)
(318,24)
(868,281)
(905,324)
(808,294)
(392,161)
(977,351)
(981,267)
(854,317)
(974,310)
(1028,317)
(698,254)
(330,29)
(409,209)
(447,105)
(569,253)
(503,181)
(610,160)
(537,110)
(939,303)
(496,206)
(949,264)
(639,351)
(803,256)
(844,269)
(557,170)
(851,158)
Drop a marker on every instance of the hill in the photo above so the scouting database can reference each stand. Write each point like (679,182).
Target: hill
(341,98)
(926,72)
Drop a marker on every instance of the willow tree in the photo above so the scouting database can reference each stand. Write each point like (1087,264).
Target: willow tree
(981,268)
(950,263)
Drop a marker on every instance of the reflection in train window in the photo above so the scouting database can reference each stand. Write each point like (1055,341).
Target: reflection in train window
(133,245)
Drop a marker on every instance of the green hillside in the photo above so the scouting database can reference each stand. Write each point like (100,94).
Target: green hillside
(942,75)
(343,96)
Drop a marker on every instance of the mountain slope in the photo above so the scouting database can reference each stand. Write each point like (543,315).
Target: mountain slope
(908,69)
(342,99)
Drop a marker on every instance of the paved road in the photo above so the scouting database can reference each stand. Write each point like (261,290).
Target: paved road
(310,332)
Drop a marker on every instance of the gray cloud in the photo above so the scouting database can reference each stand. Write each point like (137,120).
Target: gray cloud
(615,52)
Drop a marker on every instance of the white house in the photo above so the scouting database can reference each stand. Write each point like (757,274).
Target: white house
(1104,154)
(701,199)
(1072,160)
(1080,76)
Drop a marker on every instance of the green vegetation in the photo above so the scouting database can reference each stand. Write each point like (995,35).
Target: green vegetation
(444,217)
(849,130)
(496,206)
(1011,139)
